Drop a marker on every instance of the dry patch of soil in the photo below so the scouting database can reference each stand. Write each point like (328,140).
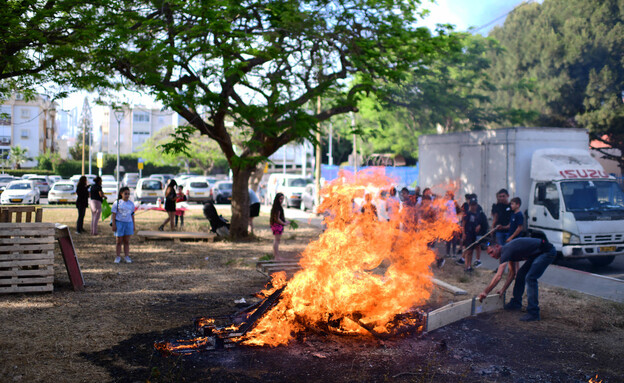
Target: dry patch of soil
(106,333)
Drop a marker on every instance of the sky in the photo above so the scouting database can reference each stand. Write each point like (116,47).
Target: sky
(464,14)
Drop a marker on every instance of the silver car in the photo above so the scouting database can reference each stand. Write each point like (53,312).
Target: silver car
(20,192)
(196,189)
(148,190)
(62,192)
(43,183)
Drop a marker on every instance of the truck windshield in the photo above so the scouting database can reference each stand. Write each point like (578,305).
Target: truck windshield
(592,195)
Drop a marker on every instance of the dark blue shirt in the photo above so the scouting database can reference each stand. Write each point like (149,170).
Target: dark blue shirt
(521,249)
(516,220)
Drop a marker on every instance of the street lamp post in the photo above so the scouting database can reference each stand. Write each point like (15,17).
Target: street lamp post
(119,115)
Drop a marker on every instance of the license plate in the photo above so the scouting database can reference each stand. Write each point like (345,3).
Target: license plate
(16,200)
(151,194)
(62,200)
(200,193)
(607,249)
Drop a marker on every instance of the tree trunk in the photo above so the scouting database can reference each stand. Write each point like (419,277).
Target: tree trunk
(240,203)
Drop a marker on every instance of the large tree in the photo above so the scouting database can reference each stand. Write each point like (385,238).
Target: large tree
(449,94)
(37,38)
(260,64)
(563,66)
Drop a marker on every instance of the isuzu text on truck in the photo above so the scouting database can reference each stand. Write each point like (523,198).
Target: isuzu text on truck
(566,194)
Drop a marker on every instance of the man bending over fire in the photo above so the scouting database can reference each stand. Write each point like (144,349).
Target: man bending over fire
(538,254)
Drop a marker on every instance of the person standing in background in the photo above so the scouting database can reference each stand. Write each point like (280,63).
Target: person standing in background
(96,204)
(254,208)
(82,201)
(501,215)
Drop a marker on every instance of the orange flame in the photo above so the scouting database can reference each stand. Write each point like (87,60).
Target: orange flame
(595,380)
(360,267)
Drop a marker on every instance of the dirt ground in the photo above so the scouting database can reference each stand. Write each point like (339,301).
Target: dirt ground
(106,333)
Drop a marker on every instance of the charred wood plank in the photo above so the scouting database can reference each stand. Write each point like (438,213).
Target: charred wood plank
(260,311)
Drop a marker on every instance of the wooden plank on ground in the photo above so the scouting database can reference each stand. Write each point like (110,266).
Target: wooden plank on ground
(48,270)
(70,258)
(25,225)
(448,287)
(27,281)
(490,303)
(27,289)
(449,314)
(12,241)
(174,235)
(23,248)
(47,257)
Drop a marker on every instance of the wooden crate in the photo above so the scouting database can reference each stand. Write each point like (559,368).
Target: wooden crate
(17,213)
(26,257)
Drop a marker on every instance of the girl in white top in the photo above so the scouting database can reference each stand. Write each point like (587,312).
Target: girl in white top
(123,223)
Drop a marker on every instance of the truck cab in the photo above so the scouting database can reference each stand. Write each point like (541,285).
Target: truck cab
(576,205)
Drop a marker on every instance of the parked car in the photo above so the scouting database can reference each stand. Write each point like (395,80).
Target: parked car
(221,192)
(20,192)
(5,179)
(307,198)
(148,190)
(43,183)
(162,177)
(76,177)
(196,189)
(108,178)
(54,179)
(62,192)
(290,185)
(130,180)
(110,190)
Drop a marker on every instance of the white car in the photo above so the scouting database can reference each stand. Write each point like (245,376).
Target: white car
(62,192)
(110,191)
(108,178)
(75,178)
(148,190)
(196,189)
(20,192)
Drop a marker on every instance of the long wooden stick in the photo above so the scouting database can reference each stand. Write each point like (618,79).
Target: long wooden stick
(478,241)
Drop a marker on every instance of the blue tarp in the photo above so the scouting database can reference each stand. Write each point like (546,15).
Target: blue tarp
(405,175)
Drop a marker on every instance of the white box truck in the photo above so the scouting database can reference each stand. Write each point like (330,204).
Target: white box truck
(566,195)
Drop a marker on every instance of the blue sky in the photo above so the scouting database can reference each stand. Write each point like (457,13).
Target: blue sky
(468,13)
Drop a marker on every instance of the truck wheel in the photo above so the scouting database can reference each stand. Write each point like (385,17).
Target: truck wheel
(601,261)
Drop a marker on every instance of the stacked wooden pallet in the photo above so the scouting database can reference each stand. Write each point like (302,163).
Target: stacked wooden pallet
(26,257)
(21,213)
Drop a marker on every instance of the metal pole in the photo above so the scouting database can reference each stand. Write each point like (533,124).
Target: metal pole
(90,145)
(118,144)
(330,157)
(355,165)
(317,170)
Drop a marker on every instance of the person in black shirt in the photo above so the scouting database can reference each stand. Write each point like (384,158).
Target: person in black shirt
(170,204)
(96,204)
(501,215)
(82,192)
(537,254)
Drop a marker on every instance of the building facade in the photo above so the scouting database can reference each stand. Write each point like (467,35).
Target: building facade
(136,126)
(29,124)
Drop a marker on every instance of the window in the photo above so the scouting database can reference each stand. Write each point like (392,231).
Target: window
(25,133)
(546,195)
(25,113)
(5,115)
(141,117)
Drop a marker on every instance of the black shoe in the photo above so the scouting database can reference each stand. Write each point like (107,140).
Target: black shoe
(460,261)
(529,318)
(469,270)
(161,228)
(510,306)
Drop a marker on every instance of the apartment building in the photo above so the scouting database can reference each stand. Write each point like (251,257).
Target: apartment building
(136,125)
(28,124)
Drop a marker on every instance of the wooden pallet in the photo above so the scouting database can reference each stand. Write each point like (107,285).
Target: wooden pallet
(175,235)
(269,267)
(456,311)
(26,257)
(17,213)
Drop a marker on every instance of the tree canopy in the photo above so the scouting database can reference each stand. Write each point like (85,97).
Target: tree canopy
(259,64)
(37,38)
(563,66)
